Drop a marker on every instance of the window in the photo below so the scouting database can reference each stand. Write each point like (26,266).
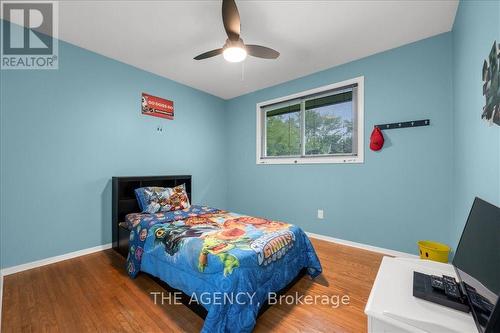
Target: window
(323,125)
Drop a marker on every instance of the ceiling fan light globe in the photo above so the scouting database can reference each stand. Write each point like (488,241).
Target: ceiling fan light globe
(234,54)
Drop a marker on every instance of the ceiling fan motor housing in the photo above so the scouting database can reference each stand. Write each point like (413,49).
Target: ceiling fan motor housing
(231,43)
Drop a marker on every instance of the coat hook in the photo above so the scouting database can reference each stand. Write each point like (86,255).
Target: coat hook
(411,123)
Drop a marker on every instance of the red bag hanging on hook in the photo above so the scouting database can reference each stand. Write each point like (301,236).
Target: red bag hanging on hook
(376,139)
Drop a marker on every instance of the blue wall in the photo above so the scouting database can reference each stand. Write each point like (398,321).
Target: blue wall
(476,145)
(66,132)
(399,195)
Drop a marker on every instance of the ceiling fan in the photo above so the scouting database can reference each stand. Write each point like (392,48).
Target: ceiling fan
(234,50)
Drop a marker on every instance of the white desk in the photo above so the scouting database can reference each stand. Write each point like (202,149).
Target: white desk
(392,307)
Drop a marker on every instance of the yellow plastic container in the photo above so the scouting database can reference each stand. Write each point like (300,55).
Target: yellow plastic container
(433,250)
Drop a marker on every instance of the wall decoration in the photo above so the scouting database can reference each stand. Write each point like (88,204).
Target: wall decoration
(157,107)
(491,86)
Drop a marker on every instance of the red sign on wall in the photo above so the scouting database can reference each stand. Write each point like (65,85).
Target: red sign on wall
(157,107)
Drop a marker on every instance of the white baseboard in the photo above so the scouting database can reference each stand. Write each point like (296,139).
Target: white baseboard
(362,246)
(51,260)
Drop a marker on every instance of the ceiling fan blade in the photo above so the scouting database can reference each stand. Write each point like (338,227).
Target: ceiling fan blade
(231,19)
(208,54)
(262,52)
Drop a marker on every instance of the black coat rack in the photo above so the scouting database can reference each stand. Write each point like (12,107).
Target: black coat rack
(404,124)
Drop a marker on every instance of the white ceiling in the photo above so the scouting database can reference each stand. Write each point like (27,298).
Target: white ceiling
(162,37)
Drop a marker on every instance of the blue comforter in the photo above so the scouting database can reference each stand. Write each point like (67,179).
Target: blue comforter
(227,262)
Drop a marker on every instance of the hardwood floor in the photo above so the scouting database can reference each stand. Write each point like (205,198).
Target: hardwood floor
(93,294)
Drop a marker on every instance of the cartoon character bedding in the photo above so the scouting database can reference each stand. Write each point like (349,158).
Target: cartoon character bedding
(227,262)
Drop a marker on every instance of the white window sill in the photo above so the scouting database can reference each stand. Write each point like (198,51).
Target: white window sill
(313,160)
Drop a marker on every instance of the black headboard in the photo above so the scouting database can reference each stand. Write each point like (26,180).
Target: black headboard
(125,202)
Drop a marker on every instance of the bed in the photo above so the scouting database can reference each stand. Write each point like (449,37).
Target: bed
(225,264)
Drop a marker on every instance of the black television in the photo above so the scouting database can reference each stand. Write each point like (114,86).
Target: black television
(477,263)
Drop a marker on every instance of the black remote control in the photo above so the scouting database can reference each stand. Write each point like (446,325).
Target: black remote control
(478,301)
(451,288)
(437,282)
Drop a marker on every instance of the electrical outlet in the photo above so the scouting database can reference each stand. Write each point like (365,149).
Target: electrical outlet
(320,214)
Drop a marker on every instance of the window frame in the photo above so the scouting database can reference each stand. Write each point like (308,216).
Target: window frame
(358,131)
